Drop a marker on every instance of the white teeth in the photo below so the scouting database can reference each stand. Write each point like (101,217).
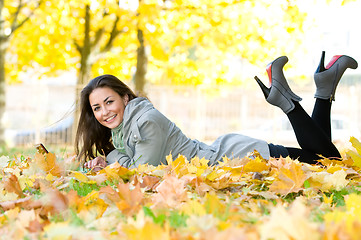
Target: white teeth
(111,118)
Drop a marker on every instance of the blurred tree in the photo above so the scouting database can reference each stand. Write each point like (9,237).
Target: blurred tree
(157,41)
(174,41)
(13,15)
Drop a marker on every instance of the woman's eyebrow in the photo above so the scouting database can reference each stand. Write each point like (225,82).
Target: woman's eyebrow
(106,99)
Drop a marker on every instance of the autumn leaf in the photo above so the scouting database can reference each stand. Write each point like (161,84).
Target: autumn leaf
(289,224)
(345,222)
(290,179)
(11,184)
(143,228)
(329,181)
(355,156)
(256,165)
(116,172)
(128,199)
(170,192)
(47,162)
(147,182)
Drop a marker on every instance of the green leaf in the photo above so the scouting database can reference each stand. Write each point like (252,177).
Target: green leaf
(177,220)
(306,184)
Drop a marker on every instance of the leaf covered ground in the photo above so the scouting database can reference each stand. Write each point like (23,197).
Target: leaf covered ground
(250,198)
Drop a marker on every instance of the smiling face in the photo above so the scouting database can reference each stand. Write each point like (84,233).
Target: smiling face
(108,107)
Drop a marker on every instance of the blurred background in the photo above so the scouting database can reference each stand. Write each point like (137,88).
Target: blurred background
(195,60)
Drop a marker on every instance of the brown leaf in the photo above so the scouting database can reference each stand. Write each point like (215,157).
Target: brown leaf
(170,192)
(47,162)
(147,182)
(11,184)
(12,204)
(35,226)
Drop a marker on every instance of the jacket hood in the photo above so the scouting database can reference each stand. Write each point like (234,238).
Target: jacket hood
(135,109)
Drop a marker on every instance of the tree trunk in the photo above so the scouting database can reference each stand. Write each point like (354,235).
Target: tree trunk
(85,67)
(141,71)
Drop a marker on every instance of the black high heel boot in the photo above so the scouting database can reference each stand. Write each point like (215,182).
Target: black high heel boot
(327,78)
(279,94)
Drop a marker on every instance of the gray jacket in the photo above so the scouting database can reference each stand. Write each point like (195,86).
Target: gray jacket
(149,137)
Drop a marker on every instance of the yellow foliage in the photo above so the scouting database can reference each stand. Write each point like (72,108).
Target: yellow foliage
(355,156)
(256,165)
(288,180)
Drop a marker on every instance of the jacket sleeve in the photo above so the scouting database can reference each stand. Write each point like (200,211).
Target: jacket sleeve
(149,147)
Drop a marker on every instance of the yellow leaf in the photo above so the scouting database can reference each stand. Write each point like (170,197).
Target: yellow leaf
(289,180)
(116,171)
(327,200)
(293,223)
(193,207)
(169,159)
(179,166)
(47,162)
(149,230)
(356,144)
(326,181)
(345,222)
(256,165)
(215,174)
(333,169)
(83,178)
(214,205)
(355,158)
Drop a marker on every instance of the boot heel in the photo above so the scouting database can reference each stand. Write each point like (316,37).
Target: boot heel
(263,87)
(279,94)
(327,78)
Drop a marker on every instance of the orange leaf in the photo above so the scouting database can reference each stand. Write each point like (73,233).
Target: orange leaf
(289,180)
(170,192)
(47,162)
(128,201)
(11,184)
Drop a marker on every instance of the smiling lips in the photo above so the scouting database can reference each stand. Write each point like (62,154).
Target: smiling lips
(111,118)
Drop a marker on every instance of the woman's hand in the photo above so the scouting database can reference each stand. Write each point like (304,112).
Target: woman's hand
(96,164)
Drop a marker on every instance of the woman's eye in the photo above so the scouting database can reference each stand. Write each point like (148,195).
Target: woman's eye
(110,101)
(95,109)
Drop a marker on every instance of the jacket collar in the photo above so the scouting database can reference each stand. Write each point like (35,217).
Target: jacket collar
(135,109)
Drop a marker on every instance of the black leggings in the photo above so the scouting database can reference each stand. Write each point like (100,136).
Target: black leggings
(313,133)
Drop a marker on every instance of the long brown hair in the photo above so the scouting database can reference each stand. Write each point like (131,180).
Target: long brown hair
(94,137)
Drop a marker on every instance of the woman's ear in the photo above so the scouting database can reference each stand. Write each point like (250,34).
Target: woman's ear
(126,99)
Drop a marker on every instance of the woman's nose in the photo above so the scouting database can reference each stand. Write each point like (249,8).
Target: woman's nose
(105,111)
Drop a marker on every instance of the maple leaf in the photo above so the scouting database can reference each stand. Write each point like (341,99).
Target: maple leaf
(89,207)
(256,165)
(147,182)
(329,181)
(116,172)
(290,179)
(280,162)
(53,202)
(180,166)
(289,224)
(47,162)
(11,184)
(170,192)
(128,199)
(355,156)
